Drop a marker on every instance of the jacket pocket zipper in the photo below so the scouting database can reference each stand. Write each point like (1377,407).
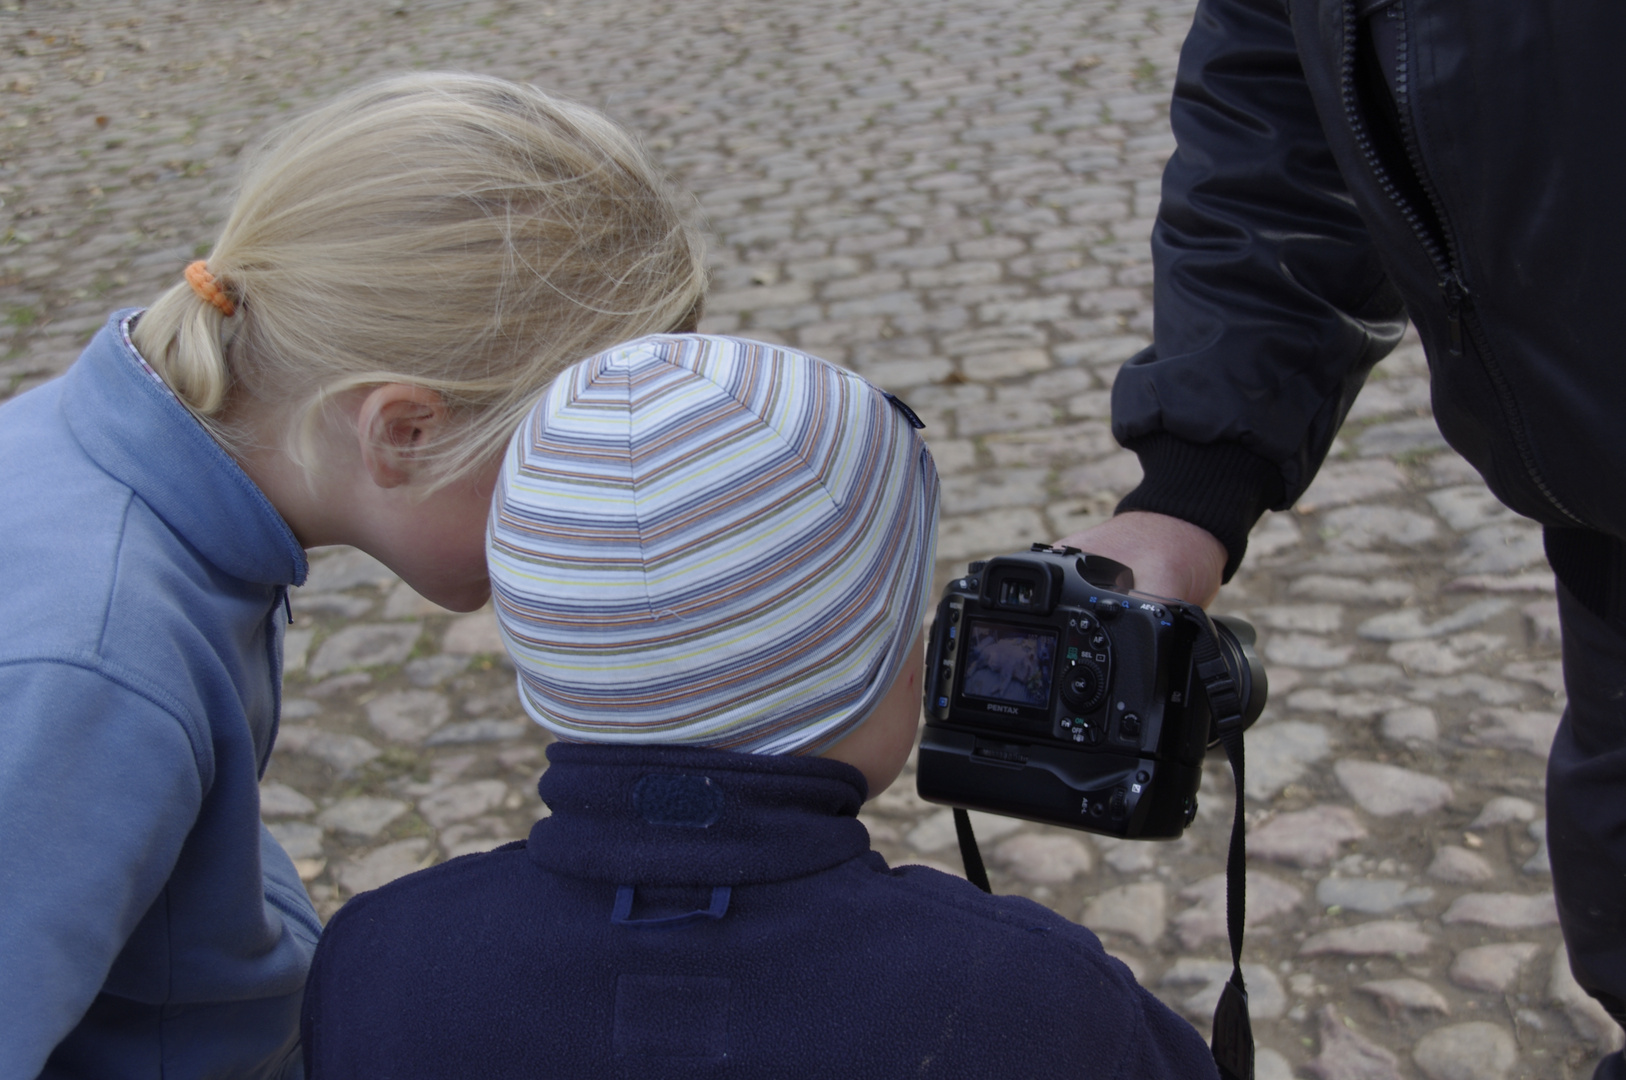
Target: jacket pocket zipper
(1441,249)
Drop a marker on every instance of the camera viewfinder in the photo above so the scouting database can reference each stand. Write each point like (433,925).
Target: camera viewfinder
(1018,585)
(1016,593)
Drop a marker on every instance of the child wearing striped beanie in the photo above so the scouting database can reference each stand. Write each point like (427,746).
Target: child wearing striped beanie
(710,559)
(703,541)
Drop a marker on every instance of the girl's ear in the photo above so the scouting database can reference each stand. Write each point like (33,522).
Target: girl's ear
(395,421)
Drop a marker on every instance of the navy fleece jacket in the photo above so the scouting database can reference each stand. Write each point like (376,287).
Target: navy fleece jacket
(696,913)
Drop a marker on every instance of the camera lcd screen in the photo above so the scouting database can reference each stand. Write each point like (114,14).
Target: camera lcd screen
(1011,664)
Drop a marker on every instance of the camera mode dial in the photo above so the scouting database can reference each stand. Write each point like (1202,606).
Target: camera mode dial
(1084,684)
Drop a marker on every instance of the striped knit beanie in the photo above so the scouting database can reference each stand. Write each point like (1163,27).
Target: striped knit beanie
(711,541)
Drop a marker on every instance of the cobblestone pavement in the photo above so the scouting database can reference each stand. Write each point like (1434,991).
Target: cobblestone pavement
(952,197)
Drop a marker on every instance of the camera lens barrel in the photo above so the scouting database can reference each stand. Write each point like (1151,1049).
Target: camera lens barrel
(1236,639)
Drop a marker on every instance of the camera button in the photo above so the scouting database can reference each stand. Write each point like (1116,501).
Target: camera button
(1083,685)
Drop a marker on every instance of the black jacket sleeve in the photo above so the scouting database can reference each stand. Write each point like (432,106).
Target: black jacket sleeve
(1270,302)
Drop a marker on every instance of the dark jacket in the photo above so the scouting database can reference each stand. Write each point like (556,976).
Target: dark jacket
(1341,165)
(690,913)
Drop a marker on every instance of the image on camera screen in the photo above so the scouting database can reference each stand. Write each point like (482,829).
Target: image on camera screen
(1010,664)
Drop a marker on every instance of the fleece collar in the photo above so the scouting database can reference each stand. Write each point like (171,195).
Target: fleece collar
(683,816)
(134,428)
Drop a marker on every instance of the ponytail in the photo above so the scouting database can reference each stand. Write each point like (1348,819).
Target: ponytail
(181,337)
(464,234)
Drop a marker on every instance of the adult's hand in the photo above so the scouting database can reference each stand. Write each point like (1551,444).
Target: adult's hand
(1171,557)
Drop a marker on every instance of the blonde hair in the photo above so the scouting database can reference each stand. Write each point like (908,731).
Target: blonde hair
(460,233)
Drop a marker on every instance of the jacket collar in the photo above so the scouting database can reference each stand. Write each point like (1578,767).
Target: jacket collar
(667,815)
(130,424)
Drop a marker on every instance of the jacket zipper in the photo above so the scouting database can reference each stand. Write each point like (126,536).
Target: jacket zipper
(273,650)
(1442,249)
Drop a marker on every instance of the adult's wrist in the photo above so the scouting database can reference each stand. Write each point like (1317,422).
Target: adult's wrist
(1221,488)
(1170,557)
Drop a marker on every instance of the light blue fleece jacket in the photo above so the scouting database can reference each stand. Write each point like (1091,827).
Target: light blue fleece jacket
(149,925)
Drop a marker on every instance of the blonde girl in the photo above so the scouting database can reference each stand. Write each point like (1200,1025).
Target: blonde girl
(404,270)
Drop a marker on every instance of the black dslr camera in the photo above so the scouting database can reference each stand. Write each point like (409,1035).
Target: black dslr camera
(1055,694)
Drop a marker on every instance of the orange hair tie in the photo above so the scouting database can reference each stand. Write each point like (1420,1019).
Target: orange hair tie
(208,287)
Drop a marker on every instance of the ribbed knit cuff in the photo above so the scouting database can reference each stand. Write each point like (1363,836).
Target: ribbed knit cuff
(1220,487)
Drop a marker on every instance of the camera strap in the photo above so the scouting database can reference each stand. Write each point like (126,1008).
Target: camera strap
(970,856)
(1232,1039)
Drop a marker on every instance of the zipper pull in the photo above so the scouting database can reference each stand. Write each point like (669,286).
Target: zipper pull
(1456,298)
(287,606)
